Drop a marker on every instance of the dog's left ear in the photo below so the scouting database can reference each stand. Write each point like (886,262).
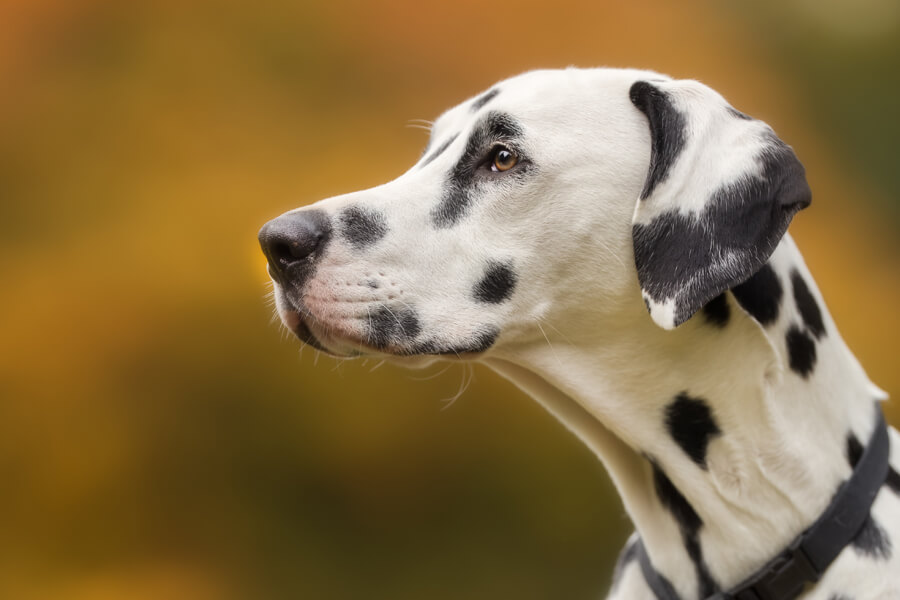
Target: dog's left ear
(719,195)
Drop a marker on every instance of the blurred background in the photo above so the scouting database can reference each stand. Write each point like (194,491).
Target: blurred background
(160,438)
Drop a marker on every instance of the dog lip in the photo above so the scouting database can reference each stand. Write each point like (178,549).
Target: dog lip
(336,342)
(305,335)
(309,332)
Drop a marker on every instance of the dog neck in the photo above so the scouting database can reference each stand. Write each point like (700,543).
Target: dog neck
(721,427)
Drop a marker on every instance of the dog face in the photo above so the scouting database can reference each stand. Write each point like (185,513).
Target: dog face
(553,194)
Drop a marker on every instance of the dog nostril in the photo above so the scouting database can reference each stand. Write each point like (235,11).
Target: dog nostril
(292,238)
(288,252)
(283,253)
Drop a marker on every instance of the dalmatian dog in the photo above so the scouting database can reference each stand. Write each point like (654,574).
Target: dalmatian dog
(614,243)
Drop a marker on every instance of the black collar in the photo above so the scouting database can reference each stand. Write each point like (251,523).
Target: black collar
(807,558)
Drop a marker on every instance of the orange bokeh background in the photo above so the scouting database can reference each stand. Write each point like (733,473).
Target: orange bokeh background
(160,439)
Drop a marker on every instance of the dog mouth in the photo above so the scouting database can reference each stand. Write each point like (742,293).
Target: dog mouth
(378,330)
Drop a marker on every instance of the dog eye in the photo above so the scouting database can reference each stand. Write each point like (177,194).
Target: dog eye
(504,160)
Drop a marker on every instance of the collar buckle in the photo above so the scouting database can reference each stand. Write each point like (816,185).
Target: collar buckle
(784,577)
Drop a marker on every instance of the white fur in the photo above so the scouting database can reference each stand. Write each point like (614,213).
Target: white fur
(576,335)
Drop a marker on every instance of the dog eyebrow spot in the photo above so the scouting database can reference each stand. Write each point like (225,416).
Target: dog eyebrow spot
(440,150)
(760,295)
(691,424)
(362,227)
(483,99)
(807,305)
(461,186)
(497,284)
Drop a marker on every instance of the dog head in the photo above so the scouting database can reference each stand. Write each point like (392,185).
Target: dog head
(553,194)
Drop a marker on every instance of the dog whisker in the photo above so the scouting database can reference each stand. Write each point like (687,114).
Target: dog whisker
(433,375)
(469,370)
(549,345)
(556,329)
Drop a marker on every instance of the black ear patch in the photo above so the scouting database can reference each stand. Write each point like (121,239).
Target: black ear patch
(692,258)
(497,284)
(667,131)
(691,242)
(362,227)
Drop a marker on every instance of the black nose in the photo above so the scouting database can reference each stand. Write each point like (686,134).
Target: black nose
(293,241)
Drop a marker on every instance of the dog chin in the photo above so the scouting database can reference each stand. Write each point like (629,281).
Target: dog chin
(350,347)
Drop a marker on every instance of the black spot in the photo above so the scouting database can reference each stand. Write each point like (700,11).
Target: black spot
(872,540)
(690,423)
(667,131)
(717,312)
(854,450)
(692,258)
(392,325)
(807,306)
(707,585)
(483,99)
(628,556)
(496,285)
(893,480)
(738,114)
(801,351)
(362,227)
(689,523)
(656,581)
(671,498)
(480,341)
(441,149)
(464,180)
(760,295)
(839,597)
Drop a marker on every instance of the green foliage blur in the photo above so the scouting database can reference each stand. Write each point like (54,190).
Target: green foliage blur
(161,438)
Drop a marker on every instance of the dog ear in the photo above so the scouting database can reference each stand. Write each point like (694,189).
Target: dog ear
(719,195)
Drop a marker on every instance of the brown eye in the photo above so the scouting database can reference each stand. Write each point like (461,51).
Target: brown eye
(504,160)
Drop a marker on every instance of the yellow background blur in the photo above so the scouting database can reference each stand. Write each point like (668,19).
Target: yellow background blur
(160,439)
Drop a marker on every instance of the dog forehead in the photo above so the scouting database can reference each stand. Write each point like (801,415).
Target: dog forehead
(534,96)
